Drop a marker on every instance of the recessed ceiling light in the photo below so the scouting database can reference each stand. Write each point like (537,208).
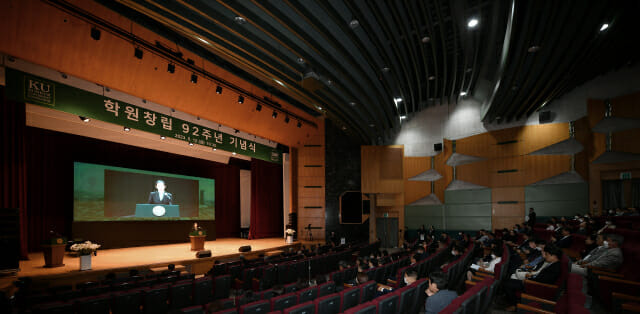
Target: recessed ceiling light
(431,78)
(319,108)
(469,70)
(403,117)
(533,49)
(329,82)
(463,93)
(344,128)
(426,39)
(240,20)
(473,22)
(386,69)
(604,27)
(127,129)
(354,23)
(353,103)
(300,60)
(372,125)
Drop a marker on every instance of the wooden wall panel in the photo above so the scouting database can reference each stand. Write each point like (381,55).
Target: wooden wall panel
(529,169)
(627,106)
(415,166)
(415,190)
(372,177)
(626,141)
(507,194)
(477,172)
(505,214)
(47,36)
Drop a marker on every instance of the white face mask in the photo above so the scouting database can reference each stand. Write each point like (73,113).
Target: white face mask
(406,281)
(493,256)
(539,248)
(453,252)
(605,244)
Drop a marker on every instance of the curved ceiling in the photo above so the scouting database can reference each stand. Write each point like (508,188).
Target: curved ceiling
(369,64)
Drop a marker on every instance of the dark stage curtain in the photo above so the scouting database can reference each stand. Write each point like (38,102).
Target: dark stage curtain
(14,180)
(49,156)
(266,200)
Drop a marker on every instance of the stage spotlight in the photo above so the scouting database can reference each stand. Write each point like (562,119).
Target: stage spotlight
(127,129)
(258,107)
(95,33)
(234,153)
(138,53)
(194,78)
(162,137)
(171,68)
(215,149)
(286,119)
(84,119)
(274,115)
(190,144)
(218,90)
(299,124)
(240,100)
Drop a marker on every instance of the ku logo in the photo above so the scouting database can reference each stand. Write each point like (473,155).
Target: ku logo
(39,86)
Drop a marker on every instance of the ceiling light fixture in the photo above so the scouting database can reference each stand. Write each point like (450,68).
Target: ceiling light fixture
(194,78)
(352,104)
(138,53)
(274,114)
(426,39)
(240,20)
(300,60)
(84,119)
(431,78)
(162,137)
(258,107)
(473,23)
(95,33)
(386,69)
(127,129)
(171,68)
(372,125)
(604,27)
(403,117)
(533,49)
(344,128)
(286,119)
(463,93)
(215,149)
(234,153)
(354,23)
(190,144)
(240,100)
(397,101)
(218,89)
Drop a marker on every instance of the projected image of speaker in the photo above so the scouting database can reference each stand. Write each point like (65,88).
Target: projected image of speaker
(352,207)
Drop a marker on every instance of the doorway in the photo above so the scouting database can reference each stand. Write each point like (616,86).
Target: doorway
(387,232)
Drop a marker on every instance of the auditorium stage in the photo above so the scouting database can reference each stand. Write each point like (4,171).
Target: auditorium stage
(145,258)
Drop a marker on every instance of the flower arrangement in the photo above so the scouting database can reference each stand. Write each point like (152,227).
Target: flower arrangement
(290,232)
(85,248)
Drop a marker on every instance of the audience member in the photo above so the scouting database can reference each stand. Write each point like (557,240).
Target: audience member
(437,296)
(609,258)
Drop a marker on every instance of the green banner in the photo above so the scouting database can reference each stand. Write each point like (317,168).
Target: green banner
(32,89)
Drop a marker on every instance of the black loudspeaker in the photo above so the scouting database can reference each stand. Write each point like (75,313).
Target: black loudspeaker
(9,240)
(544,117)
(244,249)
(437,147)
(202,254)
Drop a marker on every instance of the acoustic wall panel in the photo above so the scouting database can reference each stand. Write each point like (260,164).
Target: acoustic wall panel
(557,199)
(416,216)
(467,209)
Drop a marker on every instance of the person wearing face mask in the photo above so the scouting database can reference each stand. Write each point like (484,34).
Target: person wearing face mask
(410,276)
(610,258)
(494,259)
(607,225)
(455,253)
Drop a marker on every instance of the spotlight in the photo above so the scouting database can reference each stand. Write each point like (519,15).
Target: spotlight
(604,27)
(240,100)
(138,53)
(194,78)
(299,124)
(219,90)
(84,119)
(286,119)
(473,22)
(258,107)
(215,149)
(127,129)
(463,93)
(234,153)
(171,68)
(95,33)
(162,137)
(190,144)
(274,115)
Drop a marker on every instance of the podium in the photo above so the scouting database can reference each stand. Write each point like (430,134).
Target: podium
(197,242)
(157,210)
(53,255)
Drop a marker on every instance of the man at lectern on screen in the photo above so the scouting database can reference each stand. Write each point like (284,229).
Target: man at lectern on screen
(160,196)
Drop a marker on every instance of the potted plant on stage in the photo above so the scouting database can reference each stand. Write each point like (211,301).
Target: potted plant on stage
(290,233)
(85,250)
(197,237)
(53,249)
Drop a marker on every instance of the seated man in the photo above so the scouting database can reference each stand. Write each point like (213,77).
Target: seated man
(456,252)
(547,274)
(410,276)
(437,297)
(487,264)
(610,257)
(565,239)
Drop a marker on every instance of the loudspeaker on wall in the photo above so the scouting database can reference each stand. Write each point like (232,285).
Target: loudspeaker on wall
(437,147)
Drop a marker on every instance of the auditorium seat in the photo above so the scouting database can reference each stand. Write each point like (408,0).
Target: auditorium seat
(326,288)
(202,290)
(266,294)
(93,305)
(329,304)
(180,294)
(284,301)
(349,298)
(364,308)
(282,273)
(387,304)
(195,309)
(155,299)
(338,278)
(368,291)
(308,294)
(227,311)
(56,307)
(222,287)
(302,308)
(406,299)
(350,274)
(257,307)
(420,296)
(292,287)
(126,302)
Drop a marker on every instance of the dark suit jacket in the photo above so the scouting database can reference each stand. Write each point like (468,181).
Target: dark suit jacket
(154,198)
(549,275)
(532,219)
(565,242)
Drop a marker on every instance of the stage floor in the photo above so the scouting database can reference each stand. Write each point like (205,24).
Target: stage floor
(149,257)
